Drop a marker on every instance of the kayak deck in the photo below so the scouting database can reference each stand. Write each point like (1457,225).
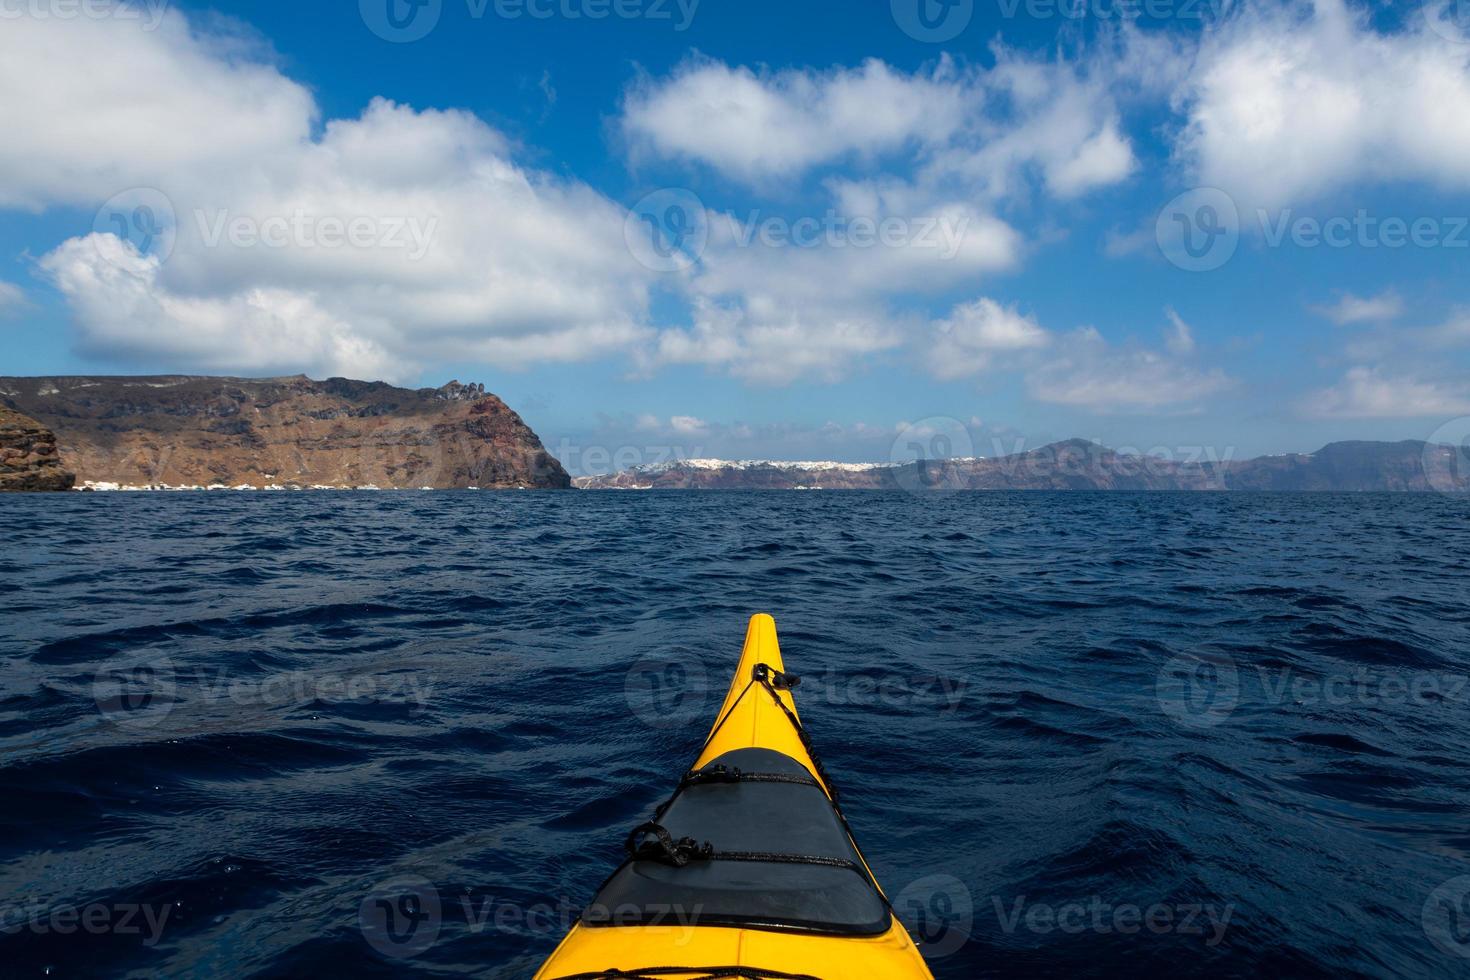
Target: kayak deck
(743,911)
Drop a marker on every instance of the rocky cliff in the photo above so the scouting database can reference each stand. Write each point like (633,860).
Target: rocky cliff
(292,432)
(28,457)
(1080,465)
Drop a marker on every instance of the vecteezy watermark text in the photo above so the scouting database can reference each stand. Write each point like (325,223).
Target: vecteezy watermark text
(1115,10)
(147,13)
(669,230)
(402,917)
(406,21)
(142,694)
(1203,690)
(1200,230)
(94,919)
(1094,914)
(680,12)
(302,229)
(941,233)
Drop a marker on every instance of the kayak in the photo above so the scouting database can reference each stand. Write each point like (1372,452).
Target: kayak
(749,870)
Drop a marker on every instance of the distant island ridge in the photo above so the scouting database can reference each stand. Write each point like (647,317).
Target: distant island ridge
(201,432)
(1077,464)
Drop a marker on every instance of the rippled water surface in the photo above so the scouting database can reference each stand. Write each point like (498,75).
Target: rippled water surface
(1078,735)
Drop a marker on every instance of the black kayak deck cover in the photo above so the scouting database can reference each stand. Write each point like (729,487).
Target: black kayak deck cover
(750,817)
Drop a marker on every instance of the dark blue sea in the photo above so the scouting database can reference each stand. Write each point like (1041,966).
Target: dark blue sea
(1080,735)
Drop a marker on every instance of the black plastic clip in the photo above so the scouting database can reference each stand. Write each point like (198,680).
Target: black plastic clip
(777,679)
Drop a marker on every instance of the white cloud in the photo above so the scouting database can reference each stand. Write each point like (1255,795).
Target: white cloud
(78,131)
(762,343)
(116,292)
(1287,103)
(1367,393)
(509,266)
(770,314)
(973,130)
(1061,121)
(1454,332)
(1350,309)
(1179,338)
(778,124)
(688,425)
(947,145)
(1118,244)
(1090,373)
(1380,342)
(12,298)
(968,340)
(931,250)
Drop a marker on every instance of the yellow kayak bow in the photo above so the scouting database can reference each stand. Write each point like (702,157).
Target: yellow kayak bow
(749,870)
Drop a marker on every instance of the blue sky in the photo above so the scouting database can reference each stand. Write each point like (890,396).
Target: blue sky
(592,214)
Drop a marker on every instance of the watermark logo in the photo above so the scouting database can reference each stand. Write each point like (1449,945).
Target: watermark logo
(136,696)
(933,21)
(666,693)
(925,454)
(1198,691)
(1446,917)
(939,912)
(144,218)
(1205,920)
(1447,457)
(668,230)
(401,917)
(1450,19)
(401,21)
(1202,691)
(1199,230)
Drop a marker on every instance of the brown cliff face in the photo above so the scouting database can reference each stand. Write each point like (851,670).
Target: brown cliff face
(284,432)
(28,457)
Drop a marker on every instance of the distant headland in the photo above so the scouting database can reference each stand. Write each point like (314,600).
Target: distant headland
(279,433)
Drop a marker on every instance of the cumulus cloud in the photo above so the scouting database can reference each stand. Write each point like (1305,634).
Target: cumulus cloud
(1366,392)
(1287,103)
(80,132)
(1090,373)
(762,343)
(1059,121)
(770,313)
(969,339)
(12,298)
(1179,338)
(1350,309)
(974,129)
(117,294)
(1382,343)
(1453,332)
(778,124)
(1079,368)
(462,252)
